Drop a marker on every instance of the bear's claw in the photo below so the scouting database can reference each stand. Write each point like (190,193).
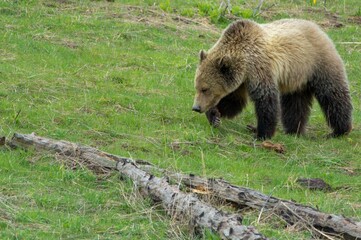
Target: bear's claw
(214,117)
(216,122)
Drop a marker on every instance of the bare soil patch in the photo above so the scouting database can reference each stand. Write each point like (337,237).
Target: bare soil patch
(354,20)
(154,17)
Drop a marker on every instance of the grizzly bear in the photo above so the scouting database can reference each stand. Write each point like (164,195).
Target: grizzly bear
(280,66)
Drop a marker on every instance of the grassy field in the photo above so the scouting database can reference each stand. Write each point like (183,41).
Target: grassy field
(119,76)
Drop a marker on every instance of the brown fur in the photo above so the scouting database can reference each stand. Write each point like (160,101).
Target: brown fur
(292,60)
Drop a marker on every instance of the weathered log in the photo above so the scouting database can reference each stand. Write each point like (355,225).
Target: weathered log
(291,212)
(176,203)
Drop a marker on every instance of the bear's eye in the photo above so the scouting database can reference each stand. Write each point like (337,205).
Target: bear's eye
(204,90)
(225,70)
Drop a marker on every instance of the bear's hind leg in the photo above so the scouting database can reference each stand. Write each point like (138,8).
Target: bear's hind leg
(295,110)
(336,105)
(332,93)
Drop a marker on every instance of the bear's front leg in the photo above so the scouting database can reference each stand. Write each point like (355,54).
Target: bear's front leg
(265,97)
(214,117)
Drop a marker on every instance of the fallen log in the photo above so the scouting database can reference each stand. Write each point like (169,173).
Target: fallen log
(176,203)
(291,212)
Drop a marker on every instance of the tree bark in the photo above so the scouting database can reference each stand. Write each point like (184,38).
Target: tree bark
(176,203)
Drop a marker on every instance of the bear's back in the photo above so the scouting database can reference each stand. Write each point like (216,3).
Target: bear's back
(295,29)
(296,48)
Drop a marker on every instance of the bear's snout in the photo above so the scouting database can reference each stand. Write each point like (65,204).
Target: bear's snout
(196,108)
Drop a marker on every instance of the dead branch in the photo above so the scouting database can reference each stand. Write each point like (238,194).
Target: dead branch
(177,204)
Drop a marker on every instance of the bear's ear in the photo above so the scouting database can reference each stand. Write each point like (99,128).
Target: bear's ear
(225,64)
(202,55)
(238,29)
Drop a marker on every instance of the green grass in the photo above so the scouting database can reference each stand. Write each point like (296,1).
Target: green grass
(119,76)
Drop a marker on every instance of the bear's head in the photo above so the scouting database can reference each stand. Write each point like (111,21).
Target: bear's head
(217,76)
(226,65)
